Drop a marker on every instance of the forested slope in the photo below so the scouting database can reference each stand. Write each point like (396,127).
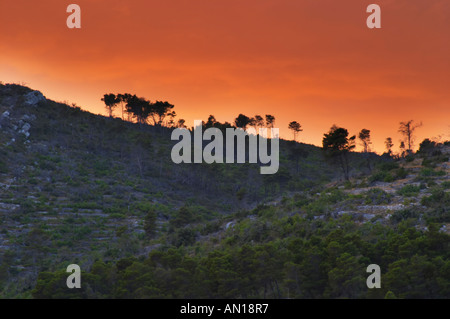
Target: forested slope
(103,193)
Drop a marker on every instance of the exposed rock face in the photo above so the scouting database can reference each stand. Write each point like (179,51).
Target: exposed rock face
(9,123)
(27,117)
(25,129)
(33,98)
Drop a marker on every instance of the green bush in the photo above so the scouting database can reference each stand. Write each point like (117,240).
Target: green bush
(438,198)
(117,216)
(388,172)
(3,167)
(301,200)
(27,206)
(388,178)
(428,172)
(388,166)
(431,183)
(335,196)
(377,196)
(404,214)
(317,207)
(378,176)
(183,217)
(428,162)
(431,162)
(409,158)
(409,190)
(184,237)
(115,210)
(401,173)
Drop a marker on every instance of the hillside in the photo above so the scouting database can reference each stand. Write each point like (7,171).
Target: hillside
(103,193)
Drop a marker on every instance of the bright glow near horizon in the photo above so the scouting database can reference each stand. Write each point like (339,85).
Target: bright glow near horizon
(314,62)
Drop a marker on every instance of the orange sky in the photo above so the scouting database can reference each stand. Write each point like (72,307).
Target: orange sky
(313,61)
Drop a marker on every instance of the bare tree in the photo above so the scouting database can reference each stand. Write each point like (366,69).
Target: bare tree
(364,137)
(389,144)
(407,130)
(402,149)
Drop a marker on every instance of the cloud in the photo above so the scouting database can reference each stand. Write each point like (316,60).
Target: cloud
(311,61)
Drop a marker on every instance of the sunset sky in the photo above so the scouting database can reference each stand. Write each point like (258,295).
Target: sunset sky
(313,61)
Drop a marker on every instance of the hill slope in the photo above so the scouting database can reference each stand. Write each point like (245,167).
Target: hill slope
(72,183)
(82,188)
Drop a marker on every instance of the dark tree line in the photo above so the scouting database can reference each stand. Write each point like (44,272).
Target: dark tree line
(243,121)
(158,113)
(336,143)
(310,260)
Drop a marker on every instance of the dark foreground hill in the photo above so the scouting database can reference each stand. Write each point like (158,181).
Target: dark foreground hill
(79,188)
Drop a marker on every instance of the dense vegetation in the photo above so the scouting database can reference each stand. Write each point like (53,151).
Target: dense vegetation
(276,256)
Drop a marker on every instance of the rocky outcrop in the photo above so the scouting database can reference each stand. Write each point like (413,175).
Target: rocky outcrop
(33,98)
(25,129)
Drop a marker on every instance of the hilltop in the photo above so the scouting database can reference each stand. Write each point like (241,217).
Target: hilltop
(102,192)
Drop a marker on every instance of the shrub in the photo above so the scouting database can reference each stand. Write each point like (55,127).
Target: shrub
(317,207)
(438,198)
(3,167)
(409,158)
(378,176)
(377,196)
(400,215)
(401,173)
(409,190)
(431,183)
(388,166)
(428,172)
(184,237)
(335,196)
(388,178)
(428,162)
(27,206)
(301,200)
